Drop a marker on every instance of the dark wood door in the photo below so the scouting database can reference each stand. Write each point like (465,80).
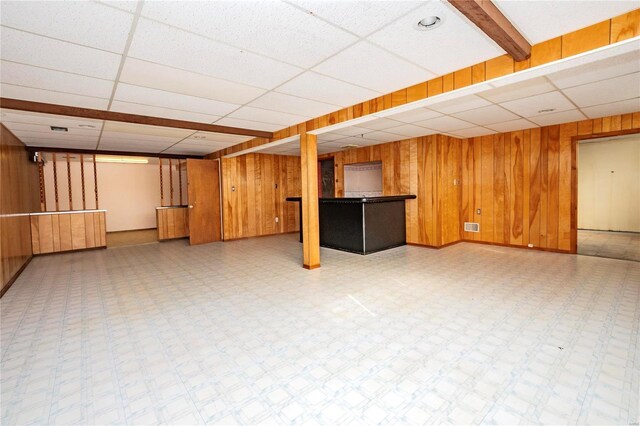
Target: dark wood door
(203,183)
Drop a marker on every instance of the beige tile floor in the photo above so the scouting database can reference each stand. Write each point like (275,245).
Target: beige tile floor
(238,332)
(615,245)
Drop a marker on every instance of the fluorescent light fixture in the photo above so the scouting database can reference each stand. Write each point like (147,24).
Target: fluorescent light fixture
(121,159)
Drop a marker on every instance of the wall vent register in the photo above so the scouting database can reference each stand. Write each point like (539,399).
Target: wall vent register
(471,227)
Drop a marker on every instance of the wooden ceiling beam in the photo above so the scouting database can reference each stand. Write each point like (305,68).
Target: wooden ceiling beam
(96,114)
(33,149)
(486,16)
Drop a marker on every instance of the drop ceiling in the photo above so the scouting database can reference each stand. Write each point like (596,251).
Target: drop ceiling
(283,63)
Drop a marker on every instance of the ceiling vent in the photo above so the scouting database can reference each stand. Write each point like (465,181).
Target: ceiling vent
(59,129)
(471,227)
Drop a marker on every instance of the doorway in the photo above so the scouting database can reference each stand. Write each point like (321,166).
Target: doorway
(609,197)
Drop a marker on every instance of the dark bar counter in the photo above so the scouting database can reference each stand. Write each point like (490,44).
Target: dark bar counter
(361,225)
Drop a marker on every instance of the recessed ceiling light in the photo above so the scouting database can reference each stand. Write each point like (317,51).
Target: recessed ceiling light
(428,23)
(87,126)
(542,111)
(59,129)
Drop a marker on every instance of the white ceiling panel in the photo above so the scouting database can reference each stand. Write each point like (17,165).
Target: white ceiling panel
(520,90)
(369,66)
(601,70)
(359,141)
(293,105)
(41,78)
(137,72)
(218,137)
(31,49)
(186,148)
(154,111)
(59,144)
(472,132)
(248,124)
(161,98)
(543,20)
(268,116)
(606,91)
(43,130)
(352,131)
(381,136)
(274,29)
(54,136)
(558,118)
(462,104)
(321,88)
(126,5)
(47,119)
(81,22)
(434,49)
(615,108)
(359,17)
(380,124)
(410,130)
(510,126)
(486,115)
(444,124)
(143,129)
(417,114)
(165,45)
(48,96)
(529,107)
(133,146)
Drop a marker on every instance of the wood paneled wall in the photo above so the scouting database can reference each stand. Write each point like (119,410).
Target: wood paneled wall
(525,184)
(254,188)
(172,222)
(428,167)
(58,232)
(607,32)
(19,195)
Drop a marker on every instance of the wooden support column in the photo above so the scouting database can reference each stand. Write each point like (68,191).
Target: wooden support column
(310,222)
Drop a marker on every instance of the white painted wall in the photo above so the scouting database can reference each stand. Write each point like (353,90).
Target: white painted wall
(129,192)
(609,184)
(363,179)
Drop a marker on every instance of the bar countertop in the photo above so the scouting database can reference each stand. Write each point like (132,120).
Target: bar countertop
(359,200)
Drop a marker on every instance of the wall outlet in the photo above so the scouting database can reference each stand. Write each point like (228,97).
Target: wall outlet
(277,219)
(478,211)
(530,245)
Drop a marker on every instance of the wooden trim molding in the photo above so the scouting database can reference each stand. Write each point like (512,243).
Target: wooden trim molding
(485,15)
(20,105)
(32,149)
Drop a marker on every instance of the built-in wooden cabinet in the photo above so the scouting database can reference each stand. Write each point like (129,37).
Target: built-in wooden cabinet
(173,222)
(53,232)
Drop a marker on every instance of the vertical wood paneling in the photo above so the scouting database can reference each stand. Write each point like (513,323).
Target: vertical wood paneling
(516,189)
(65,232)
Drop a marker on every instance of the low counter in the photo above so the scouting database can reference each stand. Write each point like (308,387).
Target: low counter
(361,225)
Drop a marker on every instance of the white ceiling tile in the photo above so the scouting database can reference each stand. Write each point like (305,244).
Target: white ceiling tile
(54,136)
(512,125)
(81,22)
(543,20)
(615,108)
(165,45)
(133,146)
(486,115)
(155,76)
(417,114)
(40,130)
(41,78)
(356,140)
(462,104)
(558,118)
(143,129)
(368,66)
(121,137)
(596,71)
(48,119)
(444,124)
(321,88)
(409,130)
(267,116)
(454,45)
(154,111)
(293,105)
(248,124)
(270,28)
(380,124)
(352,131)
(329,137)
(529,107)
(60,144)
(47,96)
(160,98)
(219,137)
(126,5)
(606,91)
(520,90)
(472,132)
(183,148)
(359,17)
(383,136)
(31,49)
